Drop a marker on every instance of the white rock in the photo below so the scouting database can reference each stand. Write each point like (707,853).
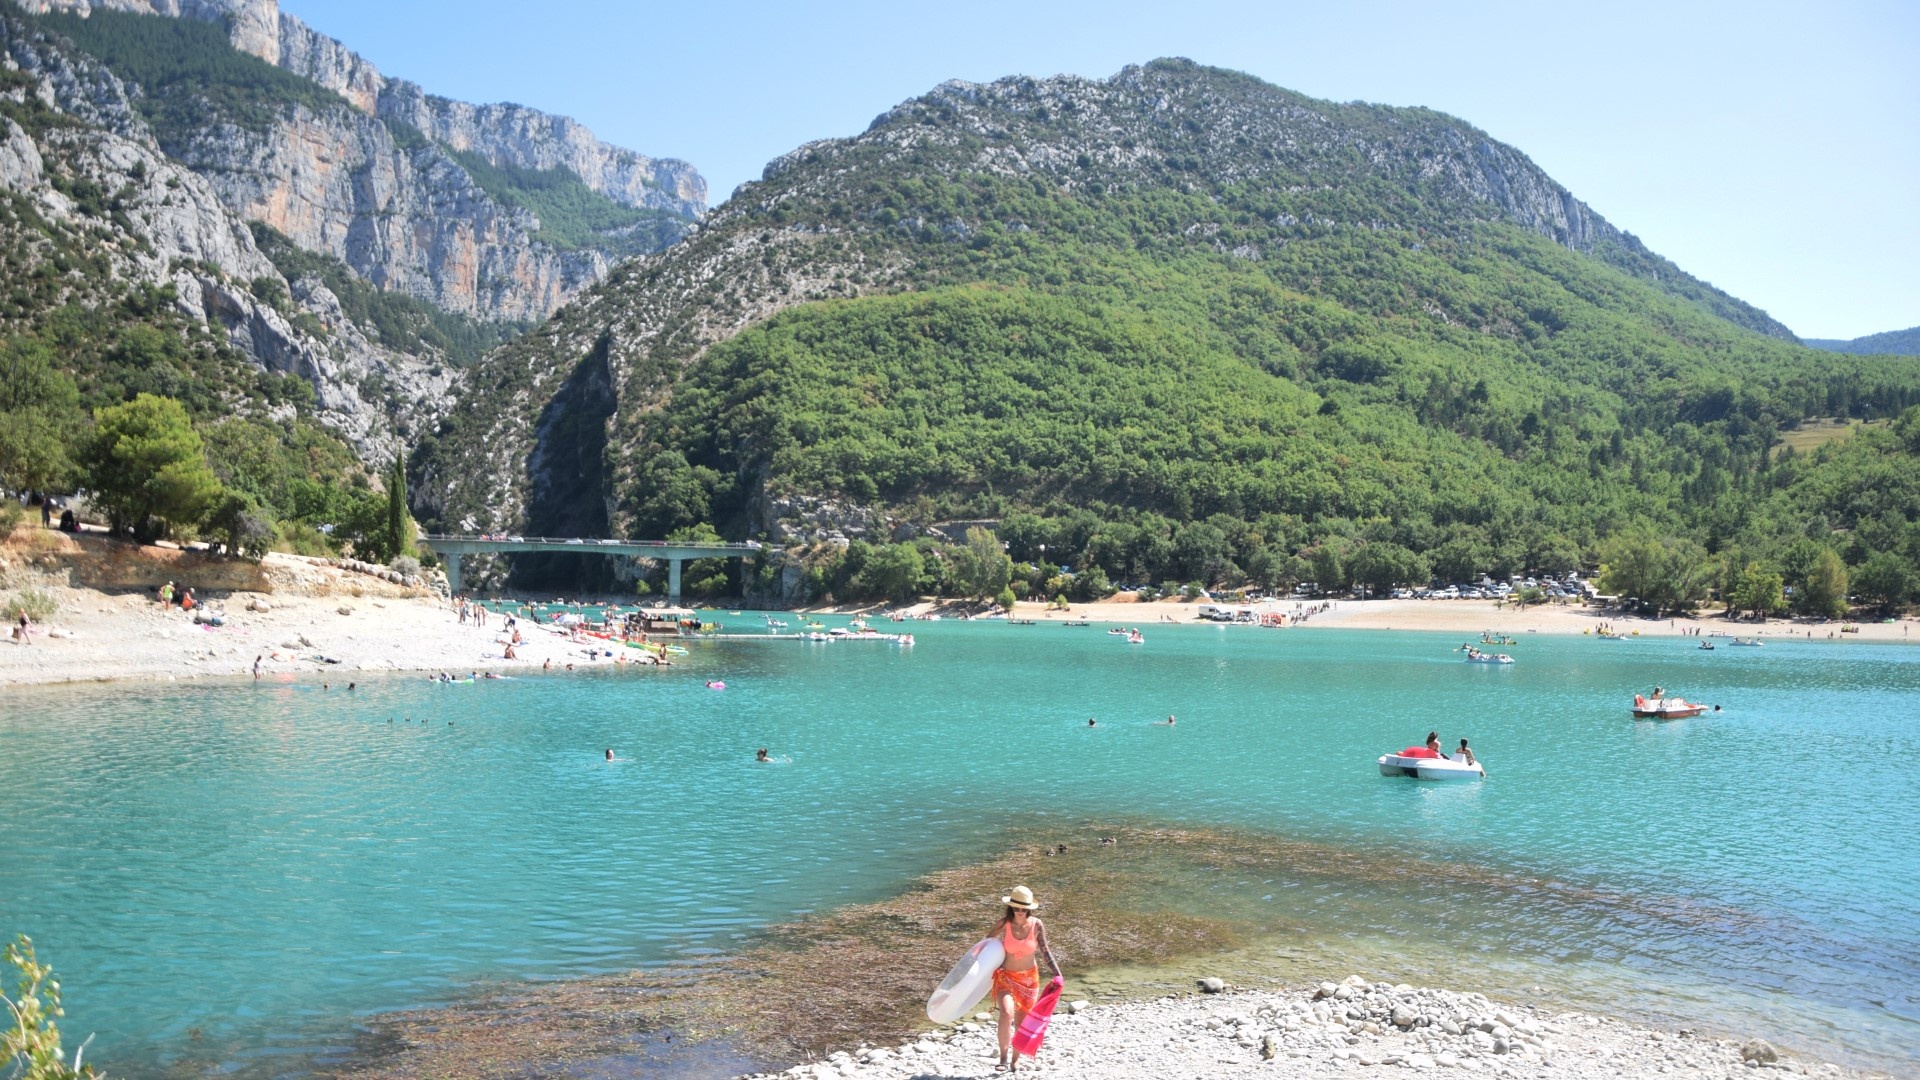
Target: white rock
(1075,1008)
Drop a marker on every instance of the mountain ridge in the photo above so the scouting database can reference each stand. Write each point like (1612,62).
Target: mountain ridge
(1889,343)
(1431,237)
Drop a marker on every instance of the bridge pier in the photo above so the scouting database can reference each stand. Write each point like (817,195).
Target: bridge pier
(452,563)
(673,581)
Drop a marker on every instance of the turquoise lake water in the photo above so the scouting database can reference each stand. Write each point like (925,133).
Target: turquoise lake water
(234,872)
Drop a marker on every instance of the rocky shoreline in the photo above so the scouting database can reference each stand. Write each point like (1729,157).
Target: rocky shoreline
(1342,1028)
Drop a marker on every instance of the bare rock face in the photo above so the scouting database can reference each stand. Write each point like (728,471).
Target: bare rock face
(173,228)
(407,218)
(356,182)
(410,221)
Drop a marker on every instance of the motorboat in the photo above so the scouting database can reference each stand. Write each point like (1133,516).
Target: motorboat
(1421,763)
(1665,708)
(1707,645)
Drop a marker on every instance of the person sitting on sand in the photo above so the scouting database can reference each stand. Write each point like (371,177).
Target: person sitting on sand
(1016,983)
(510,653)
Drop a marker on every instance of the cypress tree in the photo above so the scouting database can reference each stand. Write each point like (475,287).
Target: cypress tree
(397,507)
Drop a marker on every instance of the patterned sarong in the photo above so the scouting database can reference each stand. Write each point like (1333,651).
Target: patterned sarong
(1023,985)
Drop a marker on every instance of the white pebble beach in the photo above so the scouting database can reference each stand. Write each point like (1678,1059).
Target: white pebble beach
(1352,1028)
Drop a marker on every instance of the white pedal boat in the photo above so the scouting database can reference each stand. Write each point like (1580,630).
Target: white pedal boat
(1421,767)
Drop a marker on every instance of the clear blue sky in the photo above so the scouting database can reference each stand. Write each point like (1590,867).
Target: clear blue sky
(1770,148)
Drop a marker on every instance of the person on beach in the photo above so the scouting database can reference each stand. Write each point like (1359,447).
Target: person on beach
(1016,985)
(25,627)
(256,666)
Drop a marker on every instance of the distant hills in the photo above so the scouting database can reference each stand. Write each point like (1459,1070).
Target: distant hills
(1892,343)
(1178,324)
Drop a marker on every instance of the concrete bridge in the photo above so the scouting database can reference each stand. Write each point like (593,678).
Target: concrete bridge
(671,552)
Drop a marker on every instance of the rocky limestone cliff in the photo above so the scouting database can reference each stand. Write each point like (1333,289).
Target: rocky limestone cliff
(168,225)
(408,220)
(504,134)
(355,183)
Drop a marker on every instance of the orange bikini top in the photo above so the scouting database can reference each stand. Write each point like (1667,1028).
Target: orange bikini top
(1020,948)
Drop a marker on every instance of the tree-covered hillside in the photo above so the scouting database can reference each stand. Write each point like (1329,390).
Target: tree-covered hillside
(1177,311)
(1892,343)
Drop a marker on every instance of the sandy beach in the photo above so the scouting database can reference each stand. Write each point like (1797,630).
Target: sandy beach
(1473,617)
(302,616)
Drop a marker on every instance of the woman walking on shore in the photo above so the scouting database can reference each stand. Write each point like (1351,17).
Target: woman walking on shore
(1017,983)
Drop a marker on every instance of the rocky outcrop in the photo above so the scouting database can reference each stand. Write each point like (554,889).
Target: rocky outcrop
(503,134)
(168,225)
(356,182)
(506,134)
(409,221)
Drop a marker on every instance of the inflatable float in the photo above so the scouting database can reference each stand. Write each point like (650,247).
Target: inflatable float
(967,983)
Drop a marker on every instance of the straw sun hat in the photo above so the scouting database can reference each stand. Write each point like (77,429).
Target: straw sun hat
(1021,897)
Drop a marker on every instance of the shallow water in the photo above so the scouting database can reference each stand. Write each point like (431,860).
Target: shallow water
(230,873)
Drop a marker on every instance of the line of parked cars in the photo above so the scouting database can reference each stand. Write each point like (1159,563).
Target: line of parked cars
(1570,585)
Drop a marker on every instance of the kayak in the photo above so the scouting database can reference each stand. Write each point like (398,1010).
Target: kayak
(967,983)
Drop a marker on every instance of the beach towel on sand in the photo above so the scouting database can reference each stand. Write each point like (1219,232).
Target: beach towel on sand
(1033,1027)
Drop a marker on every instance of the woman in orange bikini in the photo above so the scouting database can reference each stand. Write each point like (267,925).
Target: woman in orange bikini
(1017,983)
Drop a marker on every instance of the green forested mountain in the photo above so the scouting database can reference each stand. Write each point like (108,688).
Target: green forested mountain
(1892,343)
(1177,325)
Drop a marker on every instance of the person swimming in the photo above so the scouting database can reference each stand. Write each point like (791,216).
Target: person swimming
(1090,722)
(762,756)
(609,753)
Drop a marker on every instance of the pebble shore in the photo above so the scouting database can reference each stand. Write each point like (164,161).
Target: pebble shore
(1353,1028)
